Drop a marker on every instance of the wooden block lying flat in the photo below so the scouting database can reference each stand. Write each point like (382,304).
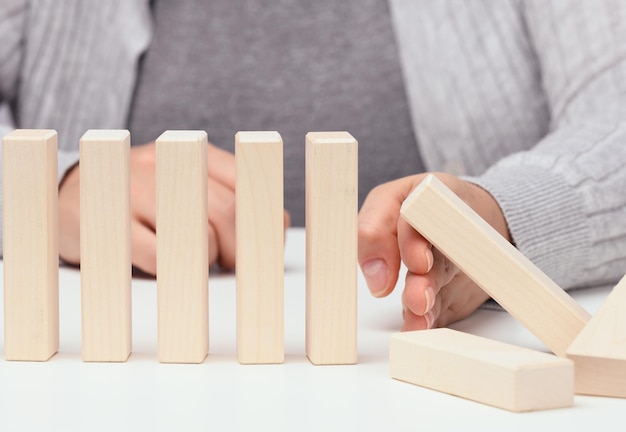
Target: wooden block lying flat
(599,351)
(182,246)
(259,248)
(105,254)
(31,251)
(483,370)
(494,264)
(331,247)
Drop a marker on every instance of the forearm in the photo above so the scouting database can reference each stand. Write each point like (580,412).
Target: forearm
(564,202)
(563,198)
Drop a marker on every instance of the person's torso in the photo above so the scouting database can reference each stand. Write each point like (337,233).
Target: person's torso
(288,65)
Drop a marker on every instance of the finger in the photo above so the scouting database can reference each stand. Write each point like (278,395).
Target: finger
(415,251)
(69,217)
(378,252)
(416,322)
(287,219)
(459,299)
(143,209)
(421,291)
(221,201)
(143,247)
(213,249)
(143,185)
(221,166)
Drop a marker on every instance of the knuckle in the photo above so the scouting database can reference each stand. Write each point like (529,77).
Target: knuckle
(368,231)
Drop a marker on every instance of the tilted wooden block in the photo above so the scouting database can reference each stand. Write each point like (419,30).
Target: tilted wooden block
(331,247)
(599,351)
(483,370)
(259,249)
(494,264)
(105,248)
(182,246)
(30,244)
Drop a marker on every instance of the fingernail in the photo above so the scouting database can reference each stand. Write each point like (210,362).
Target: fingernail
(429,259)
(376,275)
(430,299)
(430,319)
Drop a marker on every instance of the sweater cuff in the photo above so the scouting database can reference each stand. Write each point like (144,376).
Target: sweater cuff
(545,219)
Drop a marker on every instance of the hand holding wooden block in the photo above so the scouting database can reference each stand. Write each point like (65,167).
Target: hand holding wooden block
(494,264)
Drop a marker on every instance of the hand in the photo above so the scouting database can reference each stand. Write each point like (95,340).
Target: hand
(221,203)
(436,293)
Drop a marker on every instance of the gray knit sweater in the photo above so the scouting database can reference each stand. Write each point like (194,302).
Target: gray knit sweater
(526,98)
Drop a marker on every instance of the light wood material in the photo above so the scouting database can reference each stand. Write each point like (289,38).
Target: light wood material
(105,254)
(30,244)
(331,247)
(259,248)
(494,264)
(599,351)
(182,246)
(483,370)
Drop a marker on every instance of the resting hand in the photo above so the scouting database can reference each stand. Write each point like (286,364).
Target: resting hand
(221,203)
(436,293)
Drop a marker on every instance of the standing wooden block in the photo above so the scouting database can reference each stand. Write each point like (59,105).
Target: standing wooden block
(483,370)
(182,246)
(331,247)
(599,351)
(259,248)
(494,264)
(31,251)
(105,254)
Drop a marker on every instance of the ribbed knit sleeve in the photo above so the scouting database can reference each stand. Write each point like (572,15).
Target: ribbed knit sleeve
(527,98)
(11,32)
(11,37)
(565,198)
(71,65)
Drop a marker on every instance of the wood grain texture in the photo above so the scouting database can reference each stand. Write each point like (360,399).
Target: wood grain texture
(494,264)
(599,351)
(105,248)
(30,244)
(483,370)
(182,246)
(331,247)
(260,248)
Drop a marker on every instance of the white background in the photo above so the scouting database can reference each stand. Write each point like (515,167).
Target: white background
(67,394)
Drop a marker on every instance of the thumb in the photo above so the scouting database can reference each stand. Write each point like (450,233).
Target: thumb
(378,252)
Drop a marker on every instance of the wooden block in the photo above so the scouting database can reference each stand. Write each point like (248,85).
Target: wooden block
(31,251)
(182,246)
(331,247)
(483,370)
(494,264)
(599,351)
(260,247)
(105,250)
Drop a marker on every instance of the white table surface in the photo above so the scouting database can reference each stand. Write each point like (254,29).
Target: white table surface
(67,394)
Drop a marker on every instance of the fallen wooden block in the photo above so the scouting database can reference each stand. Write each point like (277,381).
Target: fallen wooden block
(599,351)
(494,373)
(494,264)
